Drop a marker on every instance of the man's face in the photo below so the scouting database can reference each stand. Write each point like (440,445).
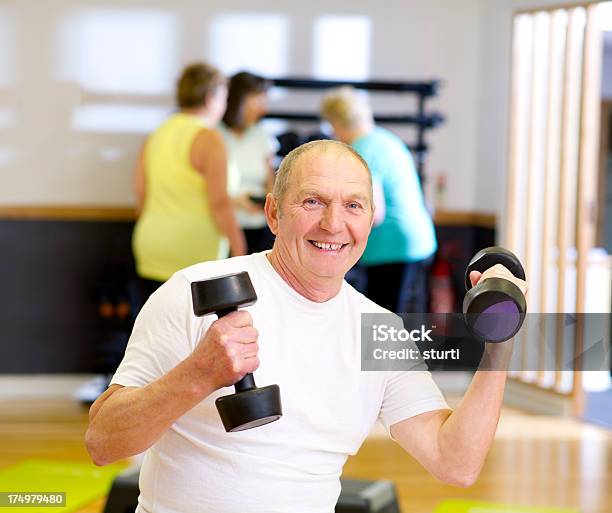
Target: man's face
(323,223)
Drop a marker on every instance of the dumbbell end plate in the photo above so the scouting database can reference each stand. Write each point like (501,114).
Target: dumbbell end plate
(222,293)
(495,313)
(250,409)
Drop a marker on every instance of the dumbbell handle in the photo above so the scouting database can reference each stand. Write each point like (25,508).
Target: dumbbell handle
(248,381)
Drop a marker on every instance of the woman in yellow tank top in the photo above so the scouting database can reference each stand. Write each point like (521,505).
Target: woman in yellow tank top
(181,185)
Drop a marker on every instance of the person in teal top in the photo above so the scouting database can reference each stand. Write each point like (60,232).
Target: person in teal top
(403,241)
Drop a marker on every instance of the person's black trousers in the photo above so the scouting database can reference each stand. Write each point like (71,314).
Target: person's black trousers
(399,287)
(258,239)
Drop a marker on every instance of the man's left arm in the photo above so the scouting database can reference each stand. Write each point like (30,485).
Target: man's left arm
(453,446)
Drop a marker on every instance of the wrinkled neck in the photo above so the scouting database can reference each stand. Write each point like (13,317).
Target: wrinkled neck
(313,288)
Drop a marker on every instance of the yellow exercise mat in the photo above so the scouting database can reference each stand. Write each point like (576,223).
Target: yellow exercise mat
(81,482)
(465,506)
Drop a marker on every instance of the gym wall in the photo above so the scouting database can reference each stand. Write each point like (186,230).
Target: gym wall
(51,156)
(56,275)
(44,160)
(57,156)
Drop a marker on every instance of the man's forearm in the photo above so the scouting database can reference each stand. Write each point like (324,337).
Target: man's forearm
(466,435)
(133,419)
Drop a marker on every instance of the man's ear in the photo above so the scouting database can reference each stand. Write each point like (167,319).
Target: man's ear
(272,213)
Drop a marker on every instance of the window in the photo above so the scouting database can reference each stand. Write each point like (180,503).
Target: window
(342,47)
(119,50)
(552,171)
(122,118)
(254,42)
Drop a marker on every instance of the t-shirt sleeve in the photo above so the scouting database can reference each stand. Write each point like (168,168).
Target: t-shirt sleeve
(162,336)
(409,393)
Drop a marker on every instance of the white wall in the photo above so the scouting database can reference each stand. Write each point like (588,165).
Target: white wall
(45,160)
(492,111)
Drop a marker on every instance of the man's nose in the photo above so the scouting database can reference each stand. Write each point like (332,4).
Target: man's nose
(332,220)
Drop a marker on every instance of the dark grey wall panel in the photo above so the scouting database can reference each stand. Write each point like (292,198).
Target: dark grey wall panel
(52,274)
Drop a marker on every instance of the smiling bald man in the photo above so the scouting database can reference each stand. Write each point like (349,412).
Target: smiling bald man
(303,334)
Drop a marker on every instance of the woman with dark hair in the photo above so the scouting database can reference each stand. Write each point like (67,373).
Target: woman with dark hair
(185,214)
(250,151)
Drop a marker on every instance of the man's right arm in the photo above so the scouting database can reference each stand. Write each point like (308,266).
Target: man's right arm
(125,421)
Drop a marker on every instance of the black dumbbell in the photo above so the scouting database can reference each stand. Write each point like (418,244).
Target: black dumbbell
(494,310)
(250,406)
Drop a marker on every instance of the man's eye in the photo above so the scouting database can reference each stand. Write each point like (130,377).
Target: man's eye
(354,205)
(311,201)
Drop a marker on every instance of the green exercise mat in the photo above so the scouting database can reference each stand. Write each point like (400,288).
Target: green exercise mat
(81,482)
(465,506)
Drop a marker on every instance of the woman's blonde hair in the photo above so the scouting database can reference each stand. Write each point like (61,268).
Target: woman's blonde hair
(347,107)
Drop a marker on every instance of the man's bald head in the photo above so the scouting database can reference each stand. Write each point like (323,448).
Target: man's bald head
(291,161)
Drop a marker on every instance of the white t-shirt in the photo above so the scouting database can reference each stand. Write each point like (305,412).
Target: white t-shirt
(312,351)
(248,154)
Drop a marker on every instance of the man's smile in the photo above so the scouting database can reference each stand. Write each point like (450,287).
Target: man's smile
(328,246)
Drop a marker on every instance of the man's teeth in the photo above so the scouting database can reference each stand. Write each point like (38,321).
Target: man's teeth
(326,245)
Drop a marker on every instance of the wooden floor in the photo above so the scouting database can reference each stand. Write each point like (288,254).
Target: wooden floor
(546,461)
